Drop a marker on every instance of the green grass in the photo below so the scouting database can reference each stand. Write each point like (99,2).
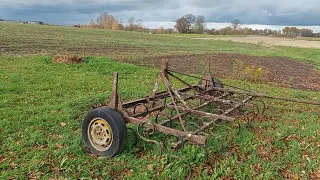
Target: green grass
(37,95)
(131,46)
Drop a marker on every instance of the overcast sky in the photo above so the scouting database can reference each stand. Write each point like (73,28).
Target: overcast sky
(268,12)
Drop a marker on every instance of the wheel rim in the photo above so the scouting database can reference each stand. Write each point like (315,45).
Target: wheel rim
(100,134)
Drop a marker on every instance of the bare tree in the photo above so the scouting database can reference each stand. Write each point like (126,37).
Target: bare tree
(115,25)
(182,25)
(105,20)
(306,32)
(134,25)
(130,24)
(161,30)
(121,25)
(91,23)
(199,25)
(101,18)
(138,25)
(108,21)
(190,18)
(235,24)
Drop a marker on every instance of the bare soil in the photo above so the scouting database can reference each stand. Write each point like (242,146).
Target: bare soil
(283,71)
(270,41)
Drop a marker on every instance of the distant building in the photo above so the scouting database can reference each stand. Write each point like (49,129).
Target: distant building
(35,22)
(21,22)
(9,21)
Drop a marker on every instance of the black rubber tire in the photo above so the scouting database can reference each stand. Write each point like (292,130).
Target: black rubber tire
(216,82)
(118,127)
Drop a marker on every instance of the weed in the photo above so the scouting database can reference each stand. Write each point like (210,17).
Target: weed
(247,72)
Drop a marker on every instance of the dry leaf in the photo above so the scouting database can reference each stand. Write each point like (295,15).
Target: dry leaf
(315,175)
(150,167)
(12,164)
(123,162)
(129,172)
(63,124)
(59,146)
(2,158)
(263,153)
(257,167)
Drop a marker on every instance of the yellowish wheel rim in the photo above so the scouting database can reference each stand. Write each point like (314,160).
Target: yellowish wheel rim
(100,134)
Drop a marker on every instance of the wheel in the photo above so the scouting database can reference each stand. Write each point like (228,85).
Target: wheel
(104,132)
(216,83)
(208,85)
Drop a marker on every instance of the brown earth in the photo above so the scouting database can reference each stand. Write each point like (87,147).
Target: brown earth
(270,41)
(280,70)
(67,59)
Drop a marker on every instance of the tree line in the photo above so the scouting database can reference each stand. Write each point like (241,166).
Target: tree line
(191,24)
(235,29)
(108,21)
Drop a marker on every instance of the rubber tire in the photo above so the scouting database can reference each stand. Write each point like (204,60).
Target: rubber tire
(118,127)
(216,82)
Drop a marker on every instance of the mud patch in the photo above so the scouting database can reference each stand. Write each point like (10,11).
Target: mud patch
(67,59)
(283,71)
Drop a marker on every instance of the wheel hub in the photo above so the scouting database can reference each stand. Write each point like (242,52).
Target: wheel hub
(100,134)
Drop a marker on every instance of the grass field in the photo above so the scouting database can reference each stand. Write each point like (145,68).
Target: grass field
(42,105)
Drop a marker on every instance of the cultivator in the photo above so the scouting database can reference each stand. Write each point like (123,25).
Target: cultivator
(182,115)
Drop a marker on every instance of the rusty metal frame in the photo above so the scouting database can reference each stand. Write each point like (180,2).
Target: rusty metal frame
(202,91)
(226,101)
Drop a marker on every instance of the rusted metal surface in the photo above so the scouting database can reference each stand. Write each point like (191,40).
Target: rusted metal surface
(113,102)
(304,101)
(201,113)
(167,130)
(175,105)
(205,91)
(225,113)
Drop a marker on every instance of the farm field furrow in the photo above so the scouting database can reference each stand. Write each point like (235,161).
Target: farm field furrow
(52,40)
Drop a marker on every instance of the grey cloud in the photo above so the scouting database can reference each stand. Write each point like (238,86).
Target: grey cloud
(275,12)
